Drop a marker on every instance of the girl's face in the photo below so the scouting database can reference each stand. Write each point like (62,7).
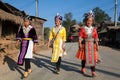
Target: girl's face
(89,22)
(27,23)
(57,22)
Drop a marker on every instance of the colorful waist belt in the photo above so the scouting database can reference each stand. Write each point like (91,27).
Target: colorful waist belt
(26,38)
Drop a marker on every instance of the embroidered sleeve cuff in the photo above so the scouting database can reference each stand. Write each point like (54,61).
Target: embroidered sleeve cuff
(19,39)
(35,41)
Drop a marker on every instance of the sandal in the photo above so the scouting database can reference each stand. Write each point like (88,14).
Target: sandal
(83,70)
(26,74)
(93,74)
(29,71)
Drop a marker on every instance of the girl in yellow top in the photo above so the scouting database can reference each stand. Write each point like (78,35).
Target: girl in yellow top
(58,47)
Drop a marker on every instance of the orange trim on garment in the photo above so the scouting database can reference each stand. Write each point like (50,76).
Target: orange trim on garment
(81,53)
(26,39)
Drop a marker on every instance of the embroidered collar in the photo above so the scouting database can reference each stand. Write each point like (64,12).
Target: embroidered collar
(88,30)
(27,29)
(57,28)
(91,27)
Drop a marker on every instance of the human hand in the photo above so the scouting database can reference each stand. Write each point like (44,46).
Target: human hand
(97,48)
(35,49)
(80,46)
(17,44)
(63,47)
(48,45)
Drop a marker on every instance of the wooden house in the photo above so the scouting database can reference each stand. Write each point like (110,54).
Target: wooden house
(38,24)
(74,32)
(109,34)
(9,22)
(11,19)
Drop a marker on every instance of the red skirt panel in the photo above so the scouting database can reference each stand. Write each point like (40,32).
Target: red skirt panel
(82,56)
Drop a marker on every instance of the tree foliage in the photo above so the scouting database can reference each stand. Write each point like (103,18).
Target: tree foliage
(68,22)
(100,15)
(46,33)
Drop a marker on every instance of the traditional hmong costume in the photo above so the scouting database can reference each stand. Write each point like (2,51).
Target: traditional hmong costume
(28,37)
(59,33)
(57,47)
(57,51)
(88,44)
(88,52)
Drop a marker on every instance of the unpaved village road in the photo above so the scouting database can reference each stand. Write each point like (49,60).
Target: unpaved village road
(43,69)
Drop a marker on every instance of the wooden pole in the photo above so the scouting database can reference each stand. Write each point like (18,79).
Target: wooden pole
(115,13)
(36,8)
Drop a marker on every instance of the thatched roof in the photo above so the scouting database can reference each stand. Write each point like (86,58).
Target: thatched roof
(7,16)
(38,18)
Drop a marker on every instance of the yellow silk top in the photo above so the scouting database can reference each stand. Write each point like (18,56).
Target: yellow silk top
(57,47)
(61,33)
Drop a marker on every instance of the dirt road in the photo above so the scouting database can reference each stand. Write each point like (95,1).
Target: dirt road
(43,69)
